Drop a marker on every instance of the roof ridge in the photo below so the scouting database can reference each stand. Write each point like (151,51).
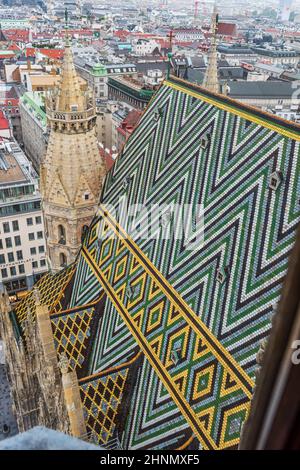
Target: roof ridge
(229,103)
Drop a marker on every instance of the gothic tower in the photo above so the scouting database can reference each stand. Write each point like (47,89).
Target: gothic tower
(210,81)
(73,171)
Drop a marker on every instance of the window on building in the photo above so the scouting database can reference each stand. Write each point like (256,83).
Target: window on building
(4,272)
(1,245)
(2,259)
(19,255)
(41,249)
(8,242)
(43,262)
(21,269)
(40,235)
(10,257)
(13,271)
(38,219)
(8,286)
(34,264)
(31,236)
(6,228)
(62,260)
(15,225)
(17,240)
(29,221)
(33,251)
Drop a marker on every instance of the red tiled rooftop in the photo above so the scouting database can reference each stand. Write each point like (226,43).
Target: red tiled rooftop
(4,124)
(51,53)
(132,117)
(107,156)
(226,29)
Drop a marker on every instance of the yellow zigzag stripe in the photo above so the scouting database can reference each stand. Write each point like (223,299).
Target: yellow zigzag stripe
(145,261)
(243,114)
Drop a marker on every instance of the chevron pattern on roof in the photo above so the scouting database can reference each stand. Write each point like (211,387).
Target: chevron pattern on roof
(192,319)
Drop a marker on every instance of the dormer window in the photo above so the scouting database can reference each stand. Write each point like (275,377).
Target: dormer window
(157,114)
(204,141)
(222,274)
(86,196)
(275,180)
(126,182)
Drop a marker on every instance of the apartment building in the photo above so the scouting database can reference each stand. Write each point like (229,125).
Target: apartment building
(22,237)
(34,126)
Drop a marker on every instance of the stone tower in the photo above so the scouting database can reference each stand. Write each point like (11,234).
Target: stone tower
(211,81)
(73,171)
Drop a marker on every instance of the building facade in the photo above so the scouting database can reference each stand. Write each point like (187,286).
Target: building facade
(277,97)
(22,236)
(34,126)
(130,91)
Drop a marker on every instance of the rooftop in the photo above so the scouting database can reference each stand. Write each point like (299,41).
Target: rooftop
(261,89)
(265,119)
(10,170)
(15,168)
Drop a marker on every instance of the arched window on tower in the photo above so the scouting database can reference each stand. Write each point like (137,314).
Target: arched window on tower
(61,234)
(62,260)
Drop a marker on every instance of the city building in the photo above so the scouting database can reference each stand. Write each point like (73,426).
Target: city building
(5,128)
(34,126)
(96,77)
(276,97)
(10,98)
(235,54)
(277,55)
(126,128)
(96,73)
(104,123)
(22,235)
(142,47)
(130,90)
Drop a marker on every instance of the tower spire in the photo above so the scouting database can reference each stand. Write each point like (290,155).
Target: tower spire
(211,81)
(70,96)
(73,170)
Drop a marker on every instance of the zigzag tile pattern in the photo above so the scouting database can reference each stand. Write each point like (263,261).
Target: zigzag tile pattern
(51,291)
(71,331)
(101,398)
(197,315)
(248,233)
(85,289)
(158,324)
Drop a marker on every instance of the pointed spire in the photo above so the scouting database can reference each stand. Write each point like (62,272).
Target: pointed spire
(211,81)
(70,96)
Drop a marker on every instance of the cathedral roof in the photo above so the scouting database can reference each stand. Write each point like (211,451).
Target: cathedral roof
(162,325)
